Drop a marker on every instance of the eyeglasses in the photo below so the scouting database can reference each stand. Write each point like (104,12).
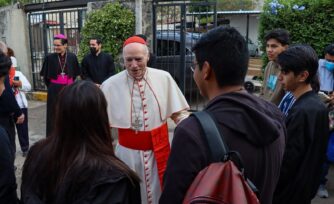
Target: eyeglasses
(193,67)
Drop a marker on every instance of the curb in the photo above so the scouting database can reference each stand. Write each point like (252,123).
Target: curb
(37,96)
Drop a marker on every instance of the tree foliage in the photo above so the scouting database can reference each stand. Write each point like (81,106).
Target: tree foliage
(113,24)
(5,2)
(308,21)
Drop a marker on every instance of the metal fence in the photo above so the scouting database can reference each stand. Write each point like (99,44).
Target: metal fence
(43,26)
(177,25)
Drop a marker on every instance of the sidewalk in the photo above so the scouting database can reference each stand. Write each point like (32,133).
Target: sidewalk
(37,121)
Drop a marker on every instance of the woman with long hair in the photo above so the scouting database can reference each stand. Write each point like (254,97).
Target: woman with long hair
(76,163)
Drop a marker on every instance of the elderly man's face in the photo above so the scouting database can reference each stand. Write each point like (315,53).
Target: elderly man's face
(135,59)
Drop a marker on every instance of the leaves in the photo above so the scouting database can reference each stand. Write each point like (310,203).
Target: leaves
(308,21)
(113,24)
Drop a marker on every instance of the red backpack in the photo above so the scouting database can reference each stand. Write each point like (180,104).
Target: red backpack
(222,181)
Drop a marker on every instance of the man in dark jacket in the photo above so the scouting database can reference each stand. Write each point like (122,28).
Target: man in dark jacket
(10,112)
(7,175)
(307,128)
(250,125)
(97,66)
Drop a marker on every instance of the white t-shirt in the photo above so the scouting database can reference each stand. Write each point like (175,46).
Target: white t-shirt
(14,61)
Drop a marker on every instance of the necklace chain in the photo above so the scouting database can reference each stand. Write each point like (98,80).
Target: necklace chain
(62,67)
(137,123)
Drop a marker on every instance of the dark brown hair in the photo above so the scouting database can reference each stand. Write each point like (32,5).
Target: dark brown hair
(79,147)
(10,52)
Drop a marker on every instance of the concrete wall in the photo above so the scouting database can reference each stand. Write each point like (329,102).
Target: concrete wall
(14,31)
(240,23)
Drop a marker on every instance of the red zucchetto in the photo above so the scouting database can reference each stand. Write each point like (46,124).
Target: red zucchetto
(134,39)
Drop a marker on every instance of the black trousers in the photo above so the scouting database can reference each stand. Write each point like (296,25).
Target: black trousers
(22,131)
(9,125)
(53,92)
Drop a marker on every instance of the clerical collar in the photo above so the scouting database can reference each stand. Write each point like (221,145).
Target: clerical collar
(138,79)
(59,54)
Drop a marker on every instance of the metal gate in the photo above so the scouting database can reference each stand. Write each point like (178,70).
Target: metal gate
(177,25)
(43,26)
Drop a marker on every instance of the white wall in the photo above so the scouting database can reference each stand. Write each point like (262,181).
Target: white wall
(240,23)
(14,32)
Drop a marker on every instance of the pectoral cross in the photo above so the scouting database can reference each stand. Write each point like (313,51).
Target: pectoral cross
(137,124)
(62,74)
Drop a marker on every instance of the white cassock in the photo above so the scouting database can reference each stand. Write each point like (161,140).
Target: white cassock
(142,106)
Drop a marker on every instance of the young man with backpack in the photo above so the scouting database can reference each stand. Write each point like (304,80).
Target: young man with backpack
(249,125)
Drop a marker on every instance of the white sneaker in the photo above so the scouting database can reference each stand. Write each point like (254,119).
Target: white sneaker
(322,192)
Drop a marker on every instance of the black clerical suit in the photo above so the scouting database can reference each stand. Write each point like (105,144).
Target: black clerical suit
(55,65)
(97,68)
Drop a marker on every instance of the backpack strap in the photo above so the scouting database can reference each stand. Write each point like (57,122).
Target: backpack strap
(218,148)
(217,145)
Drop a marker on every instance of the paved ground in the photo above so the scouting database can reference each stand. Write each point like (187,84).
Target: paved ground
(37,114)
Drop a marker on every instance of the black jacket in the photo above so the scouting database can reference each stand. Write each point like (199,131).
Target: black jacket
(253,127)
(8,104)
(7,175)
(98,68)
(105,184)
(307,128)
(107,188)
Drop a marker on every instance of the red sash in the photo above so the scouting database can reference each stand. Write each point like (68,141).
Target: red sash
(155,140)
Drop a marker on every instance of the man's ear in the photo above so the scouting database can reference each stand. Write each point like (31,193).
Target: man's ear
(206,70)
(303,76)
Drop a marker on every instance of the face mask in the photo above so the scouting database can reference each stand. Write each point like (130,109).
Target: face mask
(93,50)
(329,66)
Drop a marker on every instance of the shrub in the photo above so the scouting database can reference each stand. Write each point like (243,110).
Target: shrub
(308,21)
(113,24)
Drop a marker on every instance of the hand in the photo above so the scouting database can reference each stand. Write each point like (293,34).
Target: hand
(17,83)
(98,85)
(20,119)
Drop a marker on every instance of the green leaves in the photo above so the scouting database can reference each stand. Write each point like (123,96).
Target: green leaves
(312,25)
(113,24)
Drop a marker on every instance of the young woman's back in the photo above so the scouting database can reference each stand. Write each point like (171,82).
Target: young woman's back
(76,164)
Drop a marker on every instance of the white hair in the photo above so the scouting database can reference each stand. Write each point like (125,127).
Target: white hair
(147,51)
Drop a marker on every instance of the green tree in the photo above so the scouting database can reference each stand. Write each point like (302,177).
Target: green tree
(5,2)
(308,21)
(113,24)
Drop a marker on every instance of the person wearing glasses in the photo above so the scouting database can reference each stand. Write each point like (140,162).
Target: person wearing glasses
(59,69)
(250,125)
(140,99)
